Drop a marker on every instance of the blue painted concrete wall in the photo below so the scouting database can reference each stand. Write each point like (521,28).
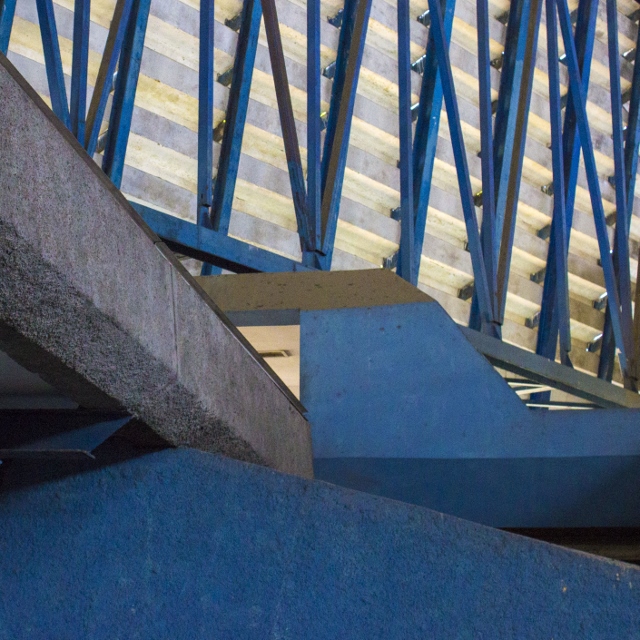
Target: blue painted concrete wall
(185,545)
(402,405)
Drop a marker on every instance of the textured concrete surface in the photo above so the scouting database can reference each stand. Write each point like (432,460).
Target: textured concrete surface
(184,544)
(94,303)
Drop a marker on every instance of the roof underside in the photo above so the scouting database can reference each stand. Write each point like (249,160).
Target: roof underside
(161,159)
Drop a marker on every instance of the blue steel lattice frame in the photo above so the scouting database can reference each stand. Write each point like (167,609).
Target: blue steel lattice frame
(560,228)
(104,81)
(406,263)
(7,12)
(508,148)
(462,168)
(126,84)
(314,144)
(236,116)
(426,136)
(78,106)
(53,61)
(287,121)
(621,322)
(205,114)
(510,139)
(623,221)
(317,199)
(549,320)
(487,234)
(343,94)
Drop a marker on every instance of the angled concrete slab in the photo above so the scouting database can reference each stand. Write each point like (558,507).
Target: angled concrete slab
(184,544)
(94,303)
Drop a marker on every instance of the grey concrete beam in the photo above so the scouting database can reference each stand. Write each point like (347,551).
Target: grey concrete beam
(94,303)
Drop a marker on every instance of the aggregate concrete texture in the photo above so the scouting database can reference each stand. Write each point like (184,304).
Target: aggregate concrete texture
(92,301)
(185,544)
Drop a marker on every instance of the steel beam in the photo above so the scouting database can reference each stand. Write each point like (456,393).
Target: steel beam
(559,217)
(620,317)
(104,81)
(425,140)
(343,95)
(125,92)
(511,131)
(462,168)
(314,144)
(198,242)
(78,107)
(287,121)
(549,321)
(543,371)
(406,263)
(7,12)
(487,232)
(53,61)
(235,116)
(624,181)
(205,114)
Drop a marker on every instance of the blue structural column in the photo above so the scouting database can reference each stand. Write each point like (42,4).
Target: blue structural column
(621,320)
(314,145)
(343,95)
(508,147)
(512,118)
(623,218)
(104,81)
(406,264)
(205,114)
(488,234)
(549,317)
(234,122)
(560,228)
(236,116)
(78,109)
(425,140)
(287,121)
(7,12)
(462,168)
(53,61)
(125,92)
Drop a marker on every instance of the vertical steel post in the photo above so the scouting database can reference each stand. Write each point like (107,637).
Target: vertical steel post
(620,320)
(205,120)
(205,114)
(425,140)
(53,61)
(287,121)
(406,264)
(104,81)
(314,149)
(125,93)
(81,26)
(235,118)
(548,326)
(236,115)
(462,168)
(343,95)
(7,12)
(487,235)
(560,228)
(623,219)
(511,136)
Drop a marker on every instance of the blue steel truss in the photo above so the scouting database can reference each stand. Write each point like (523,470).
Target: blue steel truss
(317,198)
